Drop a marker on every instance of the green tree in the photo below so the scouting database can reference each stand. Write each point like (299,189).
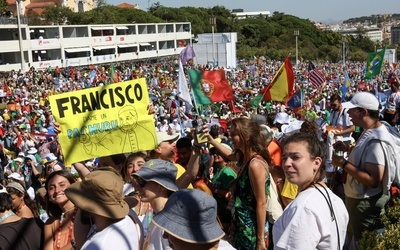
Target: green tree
(34,18)
(100,3)
(3,8)
(154,7)
(56,15)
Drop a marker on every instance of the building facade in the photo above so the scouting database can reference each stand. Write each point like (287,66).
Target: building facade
(216,49)
(39,6)
(372,32)
(79,45)
(395,35)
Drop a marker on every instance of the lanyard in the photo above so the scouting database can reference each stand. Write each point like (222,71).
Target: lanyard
(5,216)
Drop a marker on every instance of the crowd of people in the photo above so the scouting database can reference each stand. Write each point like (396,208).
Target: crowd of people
(228,176)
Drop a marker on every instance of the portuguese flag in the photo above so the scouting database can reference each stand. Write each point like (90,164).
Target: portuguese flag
(281,88)
(210,86)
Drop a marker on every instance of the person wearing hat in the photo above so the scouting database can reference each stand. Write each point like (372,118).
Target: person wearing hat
(166,151)
(175,126)
(51,163)
(280,119)
(189,221)
(31,172)
(100,196)
(366,187)
(155,182)
(17,233)
(17,164)
(23,205)
(33,151)
(16,177)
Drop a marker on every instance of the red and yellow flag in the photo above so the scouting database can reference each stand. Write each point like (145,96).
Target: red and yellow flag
(281,88)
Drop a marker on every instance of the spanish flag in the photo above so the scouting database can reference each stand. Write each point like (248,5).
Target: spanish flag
(210,86)
(281,88)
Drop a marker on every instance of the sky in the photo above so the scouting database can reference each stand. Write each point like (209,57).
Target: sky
(315,10)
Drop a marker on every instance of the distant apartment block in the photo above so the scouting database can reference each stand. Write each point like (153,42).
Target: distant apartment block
(373,32)
(395,35)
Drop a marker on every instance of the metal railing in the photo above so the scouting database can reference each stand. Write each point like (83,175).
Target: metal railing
(13,20)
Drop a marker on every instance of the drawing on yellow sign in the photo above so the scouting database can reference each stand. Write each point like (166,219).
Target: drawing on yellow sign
(104,121)
(128,124)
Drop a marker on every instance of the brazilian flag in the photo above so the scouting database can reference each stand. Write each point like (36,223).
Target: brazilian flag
(374,64)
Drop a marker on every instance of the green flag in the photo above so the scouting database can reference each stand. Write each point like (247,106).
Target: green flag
(256,101)
(374,64)
(112,72)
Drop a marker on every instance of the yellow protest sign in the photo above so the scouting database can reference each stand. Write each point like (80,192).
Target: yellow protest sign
(104,120)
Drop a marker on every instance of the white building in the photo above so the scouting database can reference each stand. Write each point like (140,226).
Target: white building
(224,52)
(78,45)
(373,32)
(252,14)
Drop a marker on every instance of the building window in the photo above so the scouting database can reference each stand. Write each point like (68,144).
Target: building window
(80,6)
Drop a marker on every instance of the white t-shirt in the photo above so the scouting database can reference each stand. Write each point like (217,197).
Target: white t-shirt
(372,153)
(128,188)
(393,101)
(342,118)
(155,240)
(121,235)
(224,245)
(306,223)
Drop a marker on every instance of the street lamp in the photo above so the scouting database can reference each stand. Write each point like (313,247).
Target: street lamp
(296,34)
(344,50)
(17,3)
(213,22)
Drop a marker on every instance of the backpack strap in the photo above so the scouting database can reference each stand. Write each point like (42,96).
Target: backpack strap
(137,221)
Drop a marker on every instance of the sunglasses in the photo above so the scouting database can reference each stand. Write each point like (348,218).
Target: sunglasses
(141,182)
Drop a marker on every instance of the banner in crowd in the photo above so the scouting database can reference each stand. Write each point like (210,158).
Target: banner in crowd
(210,86)
(104,121)
(374,64)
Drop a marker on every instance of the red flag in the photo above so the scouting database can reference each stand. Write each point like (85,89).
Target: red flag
(233,108)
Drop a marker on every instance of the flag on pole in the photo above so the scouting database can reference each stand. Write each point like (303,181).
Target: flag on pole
(374,63)
(92,75)
(315,78)
(113,76)
(210,86)
(346,85)
(281,88)
(233,108)
(186,54)
(255,102)
(182,86)
(297,100)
